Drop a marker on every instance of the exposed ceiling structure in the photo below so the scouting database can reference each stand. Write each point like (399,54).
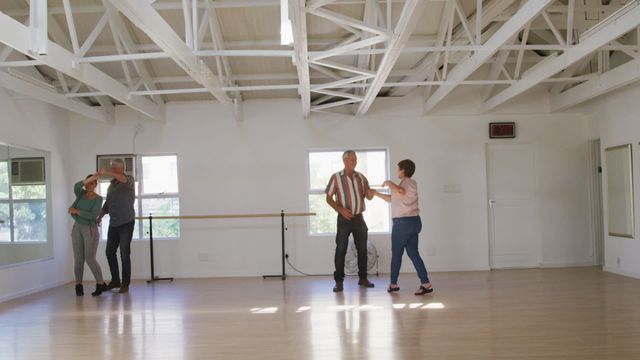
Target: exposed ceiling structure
(89,55)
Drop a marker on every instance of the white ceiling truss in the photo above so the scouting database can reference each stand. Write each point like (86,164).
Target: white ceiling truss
(88,56)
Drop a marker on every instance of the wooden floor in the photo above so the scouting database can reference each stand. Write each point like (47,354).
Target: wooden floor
(580,313)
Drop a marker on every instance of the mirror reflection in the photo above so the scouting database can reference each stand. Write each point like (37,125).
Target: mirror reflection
(24,205)
(620,191)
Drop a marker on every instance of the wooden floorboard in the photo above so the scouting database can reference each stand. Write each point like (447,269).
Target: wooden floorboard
(578,313)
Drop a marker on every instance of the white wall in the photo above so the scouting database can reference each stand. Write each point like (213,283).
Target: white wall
(30,123)
(259,165)
(614,119)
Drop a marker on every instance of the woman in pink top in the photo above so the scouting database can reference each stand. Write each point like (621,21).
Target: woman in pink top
(406,226)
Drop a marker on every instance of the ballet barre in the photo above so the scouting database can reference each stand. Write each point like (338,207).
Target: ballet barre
(282,214)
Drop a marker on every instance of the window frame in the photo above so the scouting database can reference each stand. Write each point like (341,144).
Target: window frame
(311,191)
(140,196)
(9,220)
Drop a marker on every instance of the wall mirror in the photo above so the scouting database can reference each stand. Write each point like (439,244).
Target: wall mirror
(25,207)
(619,165)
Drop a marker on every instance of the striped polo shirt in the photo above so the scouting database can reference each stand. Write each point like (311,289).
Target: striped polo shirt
(349,192)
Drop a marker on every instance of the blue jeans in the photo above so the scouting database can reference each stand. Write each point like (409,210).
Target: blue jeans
(404,235)
(120,236)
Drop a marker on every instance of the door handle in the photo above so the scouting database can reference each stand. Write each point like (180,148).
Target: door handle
(491,203)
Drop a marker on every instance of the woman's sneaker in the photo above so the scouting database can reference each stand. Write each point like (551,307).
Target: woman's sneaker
(79,290)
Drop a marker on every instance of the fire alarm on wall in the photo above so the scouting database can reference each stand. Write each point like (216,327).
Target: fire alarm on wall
(502,130)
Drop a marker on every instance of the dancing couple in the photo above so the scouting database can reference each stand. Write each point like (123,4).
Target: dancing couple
(346,192)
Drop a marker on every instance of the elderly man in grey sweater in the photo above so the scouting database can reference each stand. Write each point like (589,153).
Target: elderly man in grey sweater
(121,195)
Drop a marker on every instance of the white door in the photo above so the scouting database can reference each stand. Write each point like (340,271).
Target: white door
(596,202)
(513,234)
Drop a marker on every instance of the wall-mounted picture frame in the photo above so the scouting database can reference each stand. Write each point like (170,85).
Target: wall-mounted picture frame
(502,130)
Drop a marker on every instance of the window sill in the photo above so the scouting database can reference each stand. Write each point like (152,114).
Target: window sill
(24,263)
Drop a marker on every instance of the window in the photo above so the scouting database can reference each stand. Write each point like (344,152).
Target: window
(156,194)
(159,195)
(322,164)
(23,205)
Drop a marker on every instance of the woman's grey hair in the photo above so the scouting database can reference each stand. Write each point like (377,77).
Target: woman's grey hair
(348,153)
(120,162)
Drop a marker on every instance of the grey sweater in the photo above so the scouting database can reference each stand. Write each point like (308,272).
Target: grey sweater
(119,204)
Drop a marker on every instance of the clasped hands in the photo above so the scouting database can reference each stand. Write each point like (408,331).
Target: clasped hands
(386,183)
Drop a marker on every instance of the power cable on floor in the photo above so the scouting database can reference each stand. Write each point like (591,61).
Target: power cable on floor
(286,256)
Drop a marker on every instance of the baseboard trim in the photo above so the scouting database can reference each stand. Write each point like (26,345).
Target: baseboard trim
(291,273)
(32,291)
(585,263)
(630,274)
(457,268)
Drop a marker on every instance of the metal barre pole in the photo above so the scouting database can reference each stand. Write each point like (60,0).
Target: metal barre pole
(225,216)
(283,276)
(282,215)
(153,275)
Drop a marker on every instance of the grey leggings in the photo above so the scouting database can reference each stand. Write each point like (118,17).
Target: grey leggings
(85,243)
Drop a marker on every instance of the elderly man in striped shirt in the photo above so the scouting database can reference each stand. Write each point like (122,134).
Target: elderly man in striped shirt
(346,192)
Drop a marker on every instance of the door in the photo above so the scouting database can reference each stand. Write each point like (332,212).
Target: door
(513,231)
(596,202)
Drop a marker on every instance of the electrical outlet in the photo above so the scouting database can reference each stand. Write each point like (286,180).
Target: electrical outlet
(203,257)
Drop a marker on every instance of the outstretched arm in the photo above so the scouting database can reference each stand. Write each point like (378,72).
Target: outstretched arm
(78,187)
(122,178)
(385,197)
(394,188)
(91,178)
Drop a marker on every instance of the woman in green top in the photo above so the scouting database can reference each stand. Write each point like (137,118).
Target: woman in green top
(85,234)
